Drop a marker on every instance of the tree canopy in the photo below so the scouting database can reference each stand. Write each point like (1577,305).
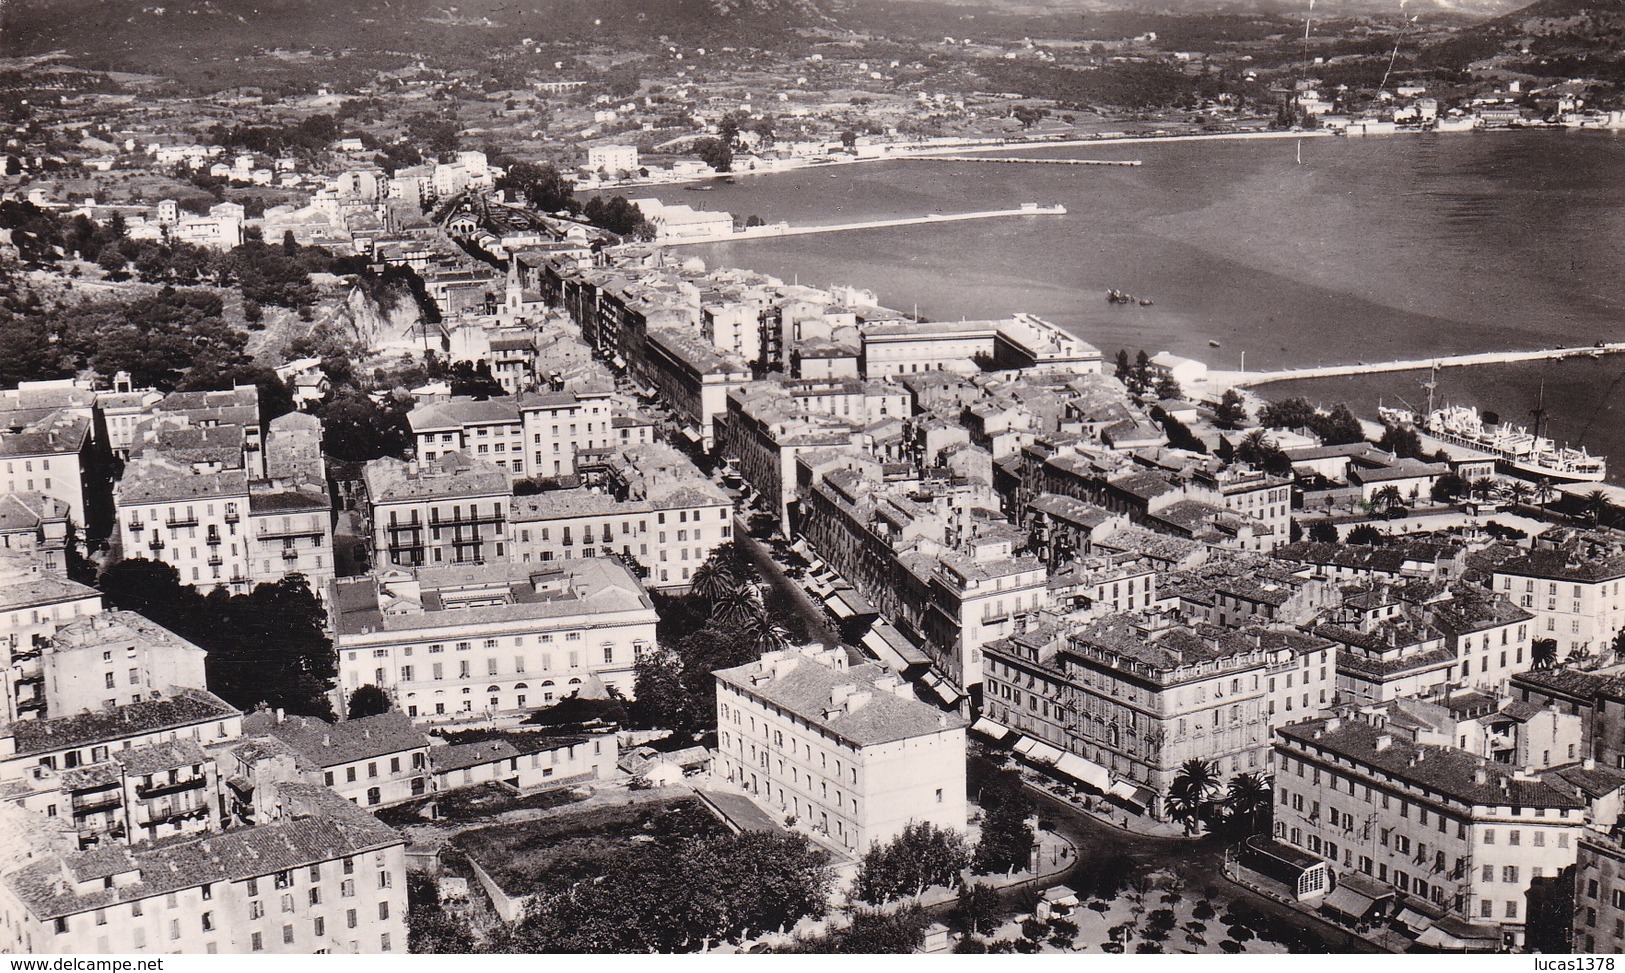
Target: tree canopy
(267,646)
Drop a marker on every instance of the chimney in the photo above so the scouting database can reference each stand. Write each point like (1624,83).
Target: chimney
(1481,777)
(1384,741)
(327,739)
(857,700)
(1334,724)
(1589,764)
(279,715)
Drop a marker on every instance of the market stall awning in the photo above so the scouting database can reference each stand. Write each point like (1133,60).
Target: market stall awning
(838,605)
(990,728)
(941,688)
(1061,895)
(1436,938)
(1086,771)
(1040,752)
(800,546)
(884,632)
(1413,920)
(1139,798)
(1349,901)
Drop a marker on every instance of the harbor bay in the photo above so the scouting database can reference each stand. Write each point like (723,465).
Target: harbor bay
(1368,250)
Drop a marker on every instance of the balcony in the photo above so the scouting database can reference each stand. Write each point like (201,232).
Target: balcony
(215,560)
(164,815)
(157,543)
(232,516)
(137,524)
(91,804)
(182,521)
(290,554)
(213,540)
(159,788)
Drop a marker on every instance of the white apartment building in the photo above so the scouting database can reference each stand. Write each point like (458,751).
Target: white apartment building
(908,347)
(456,643)
(613,159)
(1573,592)
(194,521)
(322,877)
(849,752)
(669,534)
(530,434)
(974,601)
(1384,792)
(290,531)
(112,658)
(34,603)
(373,762)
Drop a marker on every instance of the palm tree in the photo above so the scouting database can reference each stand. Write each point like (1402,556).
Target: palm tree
(1597,505)
(1483,487)
(1543,653)
(1191,796)
(1520,492)
(1248,799)
(737,605)
(711,580)
(1388,498)
(767,634)
(1543,492)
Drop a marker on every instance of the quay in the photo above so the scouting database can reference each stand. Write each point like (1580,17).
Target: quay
(1026,162)
(1226,379)
(784,229)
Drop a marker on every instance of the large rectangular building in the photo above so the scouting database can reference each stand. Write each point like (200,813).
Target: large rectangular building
(848,751)
(322,877)
(460,643)
(452,509)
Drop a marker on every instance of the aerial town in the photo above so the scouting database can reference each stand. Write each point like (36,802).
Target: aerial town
(415,536)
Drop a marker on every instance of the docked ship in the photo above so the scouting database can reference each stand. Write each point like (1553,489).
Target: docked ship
(1516,448)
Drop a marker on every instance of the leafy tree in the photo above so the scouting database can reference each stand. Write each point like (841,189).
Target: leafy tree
(1231,412)
(977,910)
(1142,373)
(368,700)
(1367,534)
(357,429)
(1007,839)
(1402,441)
(619,216)
(922,855)
(676,897)
(159,338)
(1291,413)
(1338,426)
(1323,532)
(475,379)
(1449,488)
(1123,369)
(542,185)
(269,645)
(1167,388)
(429,928)
(716,153)
(661,698)
(849,140)
(873,932)
(25,349)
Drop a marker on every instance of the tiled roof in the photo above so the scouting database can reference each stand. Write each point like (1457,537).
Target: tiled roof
(448,475)
(153,478)
(323,827)
(1445,771)
(1561,565)
(463,410)
(185,707)
(806,692)
(331,744)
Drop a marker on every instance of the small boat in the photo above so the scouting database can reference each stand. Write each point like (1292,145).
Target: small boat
(1146,302)
(1213,342)
(701,189)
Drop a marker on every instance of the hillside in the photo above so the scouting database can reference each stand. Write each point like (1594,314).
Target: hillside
(1548,38)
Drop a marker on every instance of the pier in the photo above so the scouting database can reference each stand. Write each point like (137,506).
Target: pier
(1024,162)
(784,229)
(1225,379)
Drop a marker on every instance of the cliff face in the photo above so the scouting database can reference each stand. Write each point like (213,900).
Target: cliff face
(391,322)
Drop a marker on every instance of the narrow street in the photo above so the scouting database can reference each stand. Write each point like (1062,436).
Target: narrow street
(1198,864)
(793,607)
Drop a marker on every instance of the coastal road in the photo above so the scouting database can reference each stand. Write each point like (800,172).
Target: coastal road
(1220,380)
(1199,864)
